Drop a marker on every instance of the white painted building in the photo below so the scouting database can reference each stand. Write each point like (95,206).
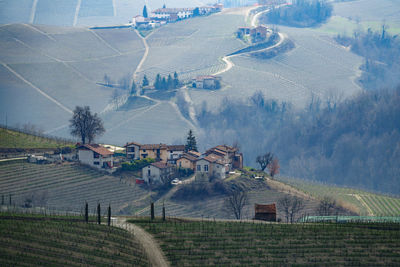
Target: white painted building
(96,156)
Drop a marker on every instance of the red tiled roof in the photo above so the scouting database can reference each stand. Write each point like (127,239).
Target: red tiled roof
(212,158)
(270,208)
(226,148)
(194,153)
(153,146)
(98,149)
(176,147)
(132,143)
(189,157)
(161,165)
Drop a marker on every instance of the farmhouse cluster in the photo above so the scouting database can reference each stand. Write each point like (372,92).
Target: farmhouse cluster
(216,162)
(165,15)
(255,34)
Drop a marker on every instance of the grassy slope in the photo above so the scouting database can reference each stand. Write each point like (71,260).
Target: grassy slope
(68,187)
(198,243)
(30,240)
(367,203)
(259,191)
(13,139)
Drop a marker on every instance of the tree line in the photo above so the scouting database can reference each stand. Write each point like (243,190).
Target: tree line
(381,52)
(302,13)
(353,142)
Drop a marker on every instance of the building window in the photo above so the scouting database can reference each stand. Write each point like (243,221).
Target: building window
(95,155)
(148,172)
(199,168)
(144,150)
(96,163)
(206,168)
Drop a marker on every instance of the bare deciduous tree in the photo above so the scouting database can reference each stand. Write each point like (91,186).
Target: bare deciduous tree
(327,206)
(291,206)
(86,125)
(273,167)
(235,202)
(264,160)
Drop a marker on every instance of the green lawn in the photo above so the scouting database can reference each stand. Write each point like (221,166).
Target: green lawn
(208,243)
(13,139)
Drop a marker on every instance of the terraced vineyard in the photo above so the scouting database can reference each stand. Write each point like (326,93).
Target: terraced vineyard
(57,241)
(206,243)
(367,203)
(68,187)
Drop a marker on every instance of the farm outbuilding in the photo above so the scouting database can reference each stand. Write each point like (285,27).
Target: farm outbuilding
(265,212)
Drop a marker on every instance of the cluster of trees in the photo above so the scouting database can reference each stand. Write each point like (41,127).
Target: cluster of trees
(353,142)
(137,164)
(166,83)
(268,160)
(302,13)
(381,51)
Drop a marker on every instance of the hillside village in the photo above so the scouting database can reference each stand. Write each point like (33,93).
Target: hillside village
(163,161)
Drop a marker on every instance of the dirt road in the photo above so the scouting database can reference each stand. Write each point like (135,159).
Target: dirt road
(151,247)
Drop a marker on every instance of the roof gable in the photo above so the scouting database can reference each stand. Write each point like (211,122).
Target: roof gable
(269,208)
(97,148)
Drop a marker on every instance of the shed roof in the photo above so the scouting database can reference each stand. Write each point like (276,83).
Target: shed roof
(132,143)
(162,165)
(262,208)
(176,147)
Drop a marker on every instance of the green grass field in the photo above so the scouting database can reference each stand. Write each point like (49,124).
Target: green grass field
(58,241)
(13,139)
(207,243)
(367,203)
(68,187)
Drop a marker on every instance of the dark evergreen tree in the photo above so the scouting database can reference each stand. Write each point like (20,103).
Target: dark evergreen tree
(191,143)
(157,82)
(86,212)
(164,85)
(145,12)
(98,214)
(109,215)
(176,80)
(170,82)
(145,81)
(164,6)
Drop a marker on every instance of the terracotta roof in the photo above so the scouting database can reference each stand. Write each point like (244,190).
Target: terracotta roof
(98,149)
(213,159)
(270,208)
(226,148)
(162,165)
(176,147)
(216,152)
(153,146)
(194,153)
(171,10)
(189,157)
(132,143)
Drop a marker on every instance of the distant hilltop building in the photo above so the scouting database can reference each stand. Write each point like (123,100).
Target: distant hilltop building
(271,2)
(257,34)
(265,212)
(207,82)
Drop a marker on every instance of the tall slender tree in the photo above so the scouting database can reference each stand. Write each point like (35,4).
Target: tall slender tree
(145,81)
(145,11)
(191,143)
(176,80)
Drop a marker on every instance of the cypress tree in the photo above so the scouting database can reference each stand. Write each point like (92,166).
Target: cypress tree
(133,88)
(157,82)
(86,212)
(152,210)
(170,82)
(109,215)
(145,12)
(98,214)
(164,84)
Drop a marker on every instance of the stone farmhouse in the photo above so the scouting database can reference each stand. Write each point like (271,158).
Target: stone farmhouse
(95,156)
(218,161)
(159,152)
(158,172)
(207,82)
(257,34)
